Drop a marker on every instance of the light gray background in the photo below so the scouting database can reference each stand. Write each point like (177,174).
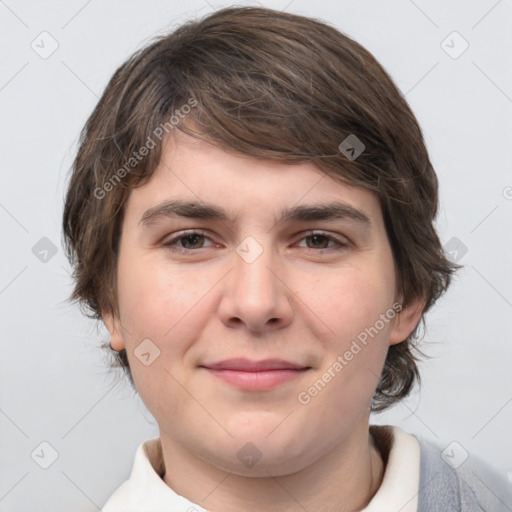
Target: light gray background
(55,386)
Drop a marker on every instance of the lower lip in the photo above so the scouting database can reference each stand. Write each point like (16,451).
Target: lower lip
(257,381)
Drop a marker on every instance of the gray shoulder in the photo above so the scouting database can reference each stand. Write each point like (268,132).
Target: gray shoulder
(451,480)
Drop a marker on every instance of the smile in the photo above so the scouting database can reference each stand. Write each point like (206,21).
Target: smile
(256,375)
(257,381)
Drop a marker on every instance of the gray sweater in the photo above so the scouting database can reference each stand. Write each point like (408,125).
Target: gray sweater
(472,487)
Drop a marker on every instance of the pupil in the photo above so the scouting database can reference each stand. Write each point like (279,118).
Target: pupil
(192,239)
(317,238)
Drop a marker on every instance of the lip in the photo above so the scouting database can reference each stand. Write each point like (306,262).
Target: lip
(256,375)
(246,365)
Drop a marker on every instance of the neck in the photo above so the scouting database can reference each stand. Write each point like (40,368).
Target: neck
(343,480)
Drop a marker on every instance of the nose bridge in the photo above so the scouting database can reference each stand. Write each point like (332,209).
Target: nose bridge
(254,278)
(254,295)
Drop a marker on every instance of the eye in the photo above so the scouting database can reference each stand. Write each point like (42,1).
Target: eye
(187,241)
(324,241)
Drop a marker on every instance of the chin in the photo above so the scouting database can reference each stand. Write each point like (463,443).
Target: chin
(253,452)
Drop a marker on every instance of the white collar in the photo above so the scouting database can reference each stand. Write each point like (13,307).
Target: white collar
(145,491)
(401,483)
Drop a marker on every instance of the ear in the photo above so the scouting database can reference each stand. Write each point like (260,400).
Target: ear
(406,320)
(113,324)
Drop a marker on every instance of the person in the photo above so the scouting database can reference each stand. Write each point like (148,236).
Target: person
(250,213)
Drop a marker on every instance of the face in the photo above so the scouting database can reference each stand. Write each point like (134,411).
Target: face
(256,304)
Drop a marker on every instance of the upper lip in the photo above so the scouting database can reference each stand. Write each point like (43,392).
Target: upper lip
(247,365)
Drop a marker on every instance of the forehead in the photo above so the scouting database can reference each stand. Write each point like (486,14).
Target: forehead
(196,171)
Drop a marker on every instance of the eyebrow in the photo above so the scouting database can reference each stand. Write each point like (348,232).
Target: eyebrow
(191,209)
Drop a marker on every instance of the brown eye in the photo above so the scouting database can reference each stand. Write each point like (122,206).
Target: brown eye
(323,241)
(192,241)
(188,242)
(318,241)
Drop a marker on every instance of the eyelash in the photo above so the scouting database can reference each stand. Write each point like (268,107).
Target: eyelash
(170,243)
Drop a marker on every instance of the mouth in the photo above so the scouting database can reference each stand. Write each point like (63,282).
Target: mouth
(256,375)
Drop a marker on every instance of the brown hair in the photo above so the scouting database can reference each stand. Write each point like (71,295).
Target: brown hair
(271,85)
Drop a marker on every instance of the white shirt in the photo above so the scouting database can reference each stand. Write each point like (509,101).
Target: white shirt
(145,491)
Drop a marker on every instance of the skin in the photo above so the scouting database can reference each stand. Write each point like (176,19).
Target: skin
(304,299)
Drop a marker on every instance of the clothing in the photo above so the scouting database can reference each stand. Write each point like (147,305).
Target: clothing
(416,479)
(472,487)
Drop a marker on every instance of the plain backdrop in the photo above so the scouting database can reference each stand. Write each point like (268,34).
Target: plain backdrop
(452,61)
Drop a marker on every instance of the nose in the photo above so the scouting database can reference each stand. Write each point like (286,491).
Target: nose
(256,295)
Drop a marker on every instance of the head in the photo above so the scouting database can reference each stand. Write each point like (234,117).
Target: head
(245,92)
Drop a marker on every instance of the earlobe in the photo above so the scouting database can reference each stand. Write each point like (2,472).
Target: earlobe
(406,320)
(113,325)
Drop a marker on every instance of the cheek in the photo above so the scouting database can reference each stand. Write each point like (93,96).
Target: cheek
(352,302)
(154,299)
(167,308)
(358,311)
